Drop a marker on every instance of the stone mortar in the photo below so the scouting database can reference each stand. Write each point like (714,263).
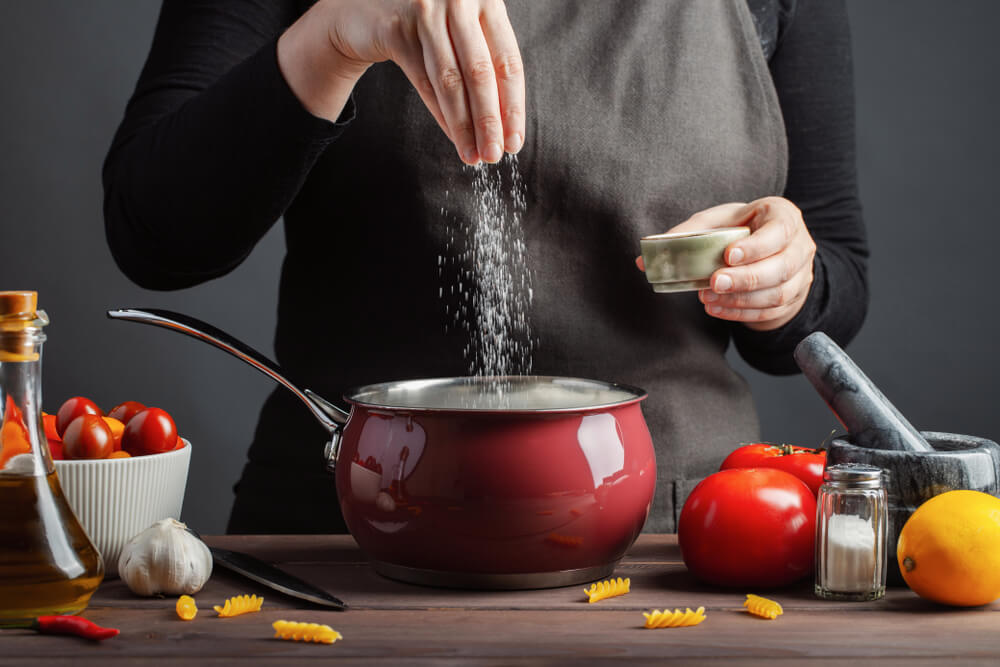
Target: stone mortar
(957,462)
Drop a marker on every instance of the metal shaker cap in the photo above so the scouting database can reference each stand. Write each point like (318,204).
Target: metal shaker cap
(853,474)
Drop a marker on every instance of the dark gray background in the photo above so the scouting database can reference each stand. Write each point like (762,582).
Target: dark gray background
(927,99)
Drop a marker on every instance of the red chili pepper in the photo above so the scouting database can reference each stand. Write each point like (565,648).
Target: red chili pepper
(72,625)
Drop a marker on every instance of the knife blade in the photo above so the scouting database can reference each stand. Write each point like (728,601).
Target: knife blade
(264,573)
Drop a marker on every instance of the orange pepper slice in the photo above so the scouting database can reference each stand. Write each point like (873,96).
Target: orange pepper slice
(13,434)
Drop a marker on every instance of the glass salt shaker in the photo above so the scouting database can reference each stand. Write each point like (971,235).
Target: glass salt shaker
(851,532)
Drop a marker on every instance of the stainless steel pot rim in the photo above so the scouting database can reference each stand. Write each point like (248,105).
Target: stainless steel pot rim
(514,394)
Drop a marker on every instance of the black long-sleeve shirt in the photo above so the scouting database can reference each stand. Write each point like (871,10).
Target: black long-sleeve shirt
(214,147)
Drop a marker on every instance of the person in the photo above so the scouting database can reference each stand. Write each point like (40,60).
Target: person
(627,119)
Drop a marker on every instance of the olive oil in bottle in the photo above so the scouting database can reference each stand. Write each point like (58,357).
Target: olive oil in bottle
(47,563)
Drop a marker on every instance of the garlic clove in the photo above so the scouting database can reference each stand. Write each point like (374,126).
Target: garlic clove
(165,558)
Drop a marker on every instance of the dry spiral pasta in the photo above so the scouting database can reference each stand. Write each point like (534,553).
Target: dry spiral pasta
(186,607)
(763,607)
(241,604)
(607,589)
(675,618)
(305,632)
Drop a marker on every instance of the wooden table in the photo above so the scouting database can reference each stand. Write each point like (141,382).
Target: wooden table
(392,623)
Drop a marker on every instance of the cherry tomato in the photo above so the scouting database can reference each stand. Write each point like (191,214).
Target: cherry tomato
(56,449)
(125,411)
(72,409)
(88,437)
(150,431)
(806,464)
(49,422)
(748,527)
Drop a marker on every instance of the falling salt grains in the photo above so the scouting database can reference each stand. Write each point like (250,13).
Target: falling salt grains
(496,289)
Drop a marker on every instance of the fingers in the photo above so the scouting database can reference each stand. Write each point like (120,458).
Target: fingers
(775,225)
(769,272)
(761,305)
(509,73)
(779,248)
(445,75)
(480,80)
(473,66)
(760,319)
(723,215)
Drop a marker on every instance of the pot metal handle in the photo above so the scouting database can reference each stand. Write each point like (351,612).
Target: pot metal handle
(328,414)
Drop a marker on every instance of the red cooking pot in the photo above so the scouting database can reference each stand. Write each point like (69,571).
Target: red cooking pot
(480,482)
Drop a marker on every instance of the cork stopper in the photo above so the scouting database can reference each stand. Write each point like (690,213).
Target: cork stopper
(18,304)
(19,316)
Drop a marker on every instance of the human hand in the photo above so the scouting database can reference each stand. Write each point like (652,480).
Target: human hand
(460,55)
(769,273)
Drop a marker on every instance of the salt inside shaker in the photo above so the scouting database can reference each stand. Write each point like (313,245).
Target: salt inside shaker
(851,533)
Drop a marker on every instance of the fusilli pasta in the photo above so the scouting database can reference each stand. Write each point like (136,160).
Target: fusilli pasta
(763,607)
(305,632)
(186,607)
(675,618)
(241,604)
(607,589)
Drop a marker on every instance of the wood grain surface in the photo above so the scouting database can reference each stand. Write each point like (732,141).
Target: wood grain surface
(393,623)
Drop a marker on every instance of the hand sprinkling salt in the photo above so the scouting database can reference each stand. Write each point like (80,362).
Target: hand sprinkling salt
(498,284)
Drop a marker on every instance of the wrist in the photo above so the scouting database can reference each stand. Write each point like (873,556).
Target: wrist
(319,76)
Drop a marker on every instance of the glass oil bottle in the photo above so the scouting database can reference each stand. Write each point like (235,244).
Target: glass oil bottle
(47,563)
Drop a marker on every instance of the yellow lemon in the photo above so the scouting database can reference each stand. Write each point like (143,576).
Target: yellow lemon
(949,549)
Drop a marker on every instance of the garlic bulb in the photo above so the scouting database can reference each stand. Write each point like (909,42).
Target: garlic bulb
(165,558)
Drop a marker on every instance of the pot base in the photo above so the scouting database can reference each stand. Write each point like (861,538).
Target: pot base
(491,581)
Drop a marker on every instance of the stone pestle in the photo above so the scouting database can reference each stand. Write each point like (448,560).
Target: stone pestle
(866,413)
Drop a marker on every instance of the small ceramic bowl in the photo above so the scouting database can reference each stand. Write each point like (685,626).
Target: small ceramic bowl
(116,499)
(684,261)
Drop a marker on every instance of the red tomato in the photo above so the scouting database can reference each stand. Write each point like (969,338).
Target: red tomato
(87,437)
(806,464)
(49,422)
(56,449)
(72,409)
(125,411)
(150,431)
(748,527)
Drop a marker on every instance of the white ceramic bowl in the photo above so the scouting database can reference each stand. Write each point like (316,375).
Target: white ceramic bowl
(116,499)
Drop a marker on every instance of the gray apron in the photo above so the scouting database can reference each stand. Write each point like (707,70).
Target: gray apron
(640,113)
